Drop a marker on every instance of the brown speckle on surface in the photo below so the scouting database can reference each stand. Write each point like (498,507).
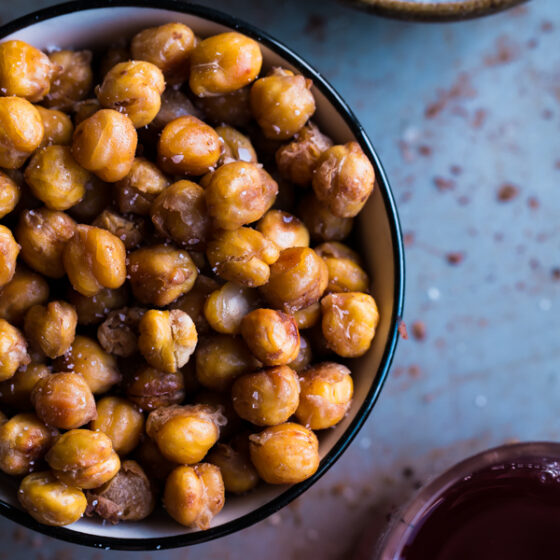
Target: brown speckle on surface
(479,118)
(455,257)
(424,150)
(444,184)
(408,239)
(506,51)
(455,169)
(402,330)
(316,27)
(557,164)
(463,200)
(507,192)
(407,472)
(461,89)
(555,273)
(547,26)
(419,330)
(533,202)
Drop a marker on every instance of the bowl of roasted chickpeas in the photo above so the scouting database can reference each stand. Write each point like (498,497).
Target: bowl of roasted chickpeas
(201,274)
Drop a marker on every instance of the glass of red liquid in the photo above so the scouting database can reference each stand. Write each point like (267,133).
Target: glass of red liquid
(502,504)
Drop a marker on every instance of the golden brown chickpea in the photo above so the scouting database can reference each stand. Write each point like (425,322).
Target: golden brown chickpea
(9,194)
(168,47)
(167,339)
(188,146)
(94,259)
(51,328)
(83,458)
(224,63)
(73,80)
(13,350)
(349,323)
(121,421)
(336,250)
(97,197)
(272,336)
(233,423)
(118,334)
(21,131)
(113,55)
(282,103)
(238,472)
(322,224)
(174,104)
(133,88)
(130,231)
(180,213)
(267,397)
(16,391)
(136,192)
(297,279)
(151,389)
(239,193)
(243,256)
(308,316)
(9,251)
(225,308)
(86,358)
(285,454)
(304,357)
(214,491)
(151,459)
(24,439)
(58,127)
(63,400)
(237,146)
(297,160)
(93,310)
(326,395)
(25,290)
(344,179)
(105,144)
(85,109)
(160,274)
(345,275)
(24,71)
(50,501)
(232,108)
(284,229)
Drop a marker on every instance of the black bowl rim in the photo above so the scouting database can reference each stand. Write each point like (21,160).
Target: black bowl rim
(197,537)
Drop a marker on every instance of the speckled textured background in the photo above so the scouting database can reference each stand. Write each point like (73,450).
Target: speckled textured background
(466,118)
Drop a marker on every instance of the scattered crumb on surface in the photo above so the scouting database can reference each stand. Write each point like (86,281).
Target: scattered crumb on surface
(419,330)
(402,330)
(507,192)
(455,257)
(444,184)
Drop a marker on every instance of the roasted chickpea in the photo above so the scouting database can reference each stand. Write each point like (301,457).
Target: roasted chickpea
(63,400)
(243,256)
(167,339)
(133,88)
(24,439)
(221,401)
(345,275)
(121,421)
(239,193)
(349,322)
(336,250)
(305,354)
(344,179)
(188,146)
(130,231)
(322,224)
(285,454)
(58,127)
(94,259)
(9,194)
(9,251)
(238,473)
(168,47)
(152,389)
(16,391)
(25,290)
(214,491)
(112,56)
(97,197)
(267,397)
(86,358)
(151,459)
(232,108)
(50,501)
(180,213)
(51,328)
(174,104)
(21,131)
(160,274)
(118,334)
(224,63)
(93,310)
(284,229)
(308,316)
(13,350)
(24,71)
(105,144)
(73,80)
(297,279)
(83,458)
(237,146)
(85,109)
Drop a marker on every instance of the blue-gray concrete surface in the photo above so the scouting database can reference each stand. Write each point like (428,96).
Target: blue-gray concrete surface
(466,118)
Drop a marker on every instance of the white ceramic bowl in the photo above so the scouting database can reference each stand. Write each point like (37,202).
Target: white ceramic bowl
(91,24)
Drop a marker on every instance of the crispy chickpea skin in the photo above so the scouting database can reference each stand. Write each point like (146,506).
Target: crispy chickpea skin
(237,146)
(180,213)
(151,389)
(224,63)
(167,339)
(93,310)
(225,308)
(94,259)
(73,80)
(24,439)
(243,256)
(121,421)
(50,501)
(58,127)
(16,391)
(344,179)
(239,193)
(160,274)
(83,458)
(133,88)
(238,472)
(9,194)
(188,146)
(282,103)
(24,71)
(232,108)
(308,316)
(184,434)
(130,231)
(284,229)
(345,275)
(272,336)
(105,144)
(285,454)
(9,251)
(221,401)
(64,400)
(51,328)
(13,350)
(267,397)
(322,224)
(168,47)
(118,334)
(21,131)
(86,358)
(349,322)
(304,357)
(297,279)
(85,109)
(25,290)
